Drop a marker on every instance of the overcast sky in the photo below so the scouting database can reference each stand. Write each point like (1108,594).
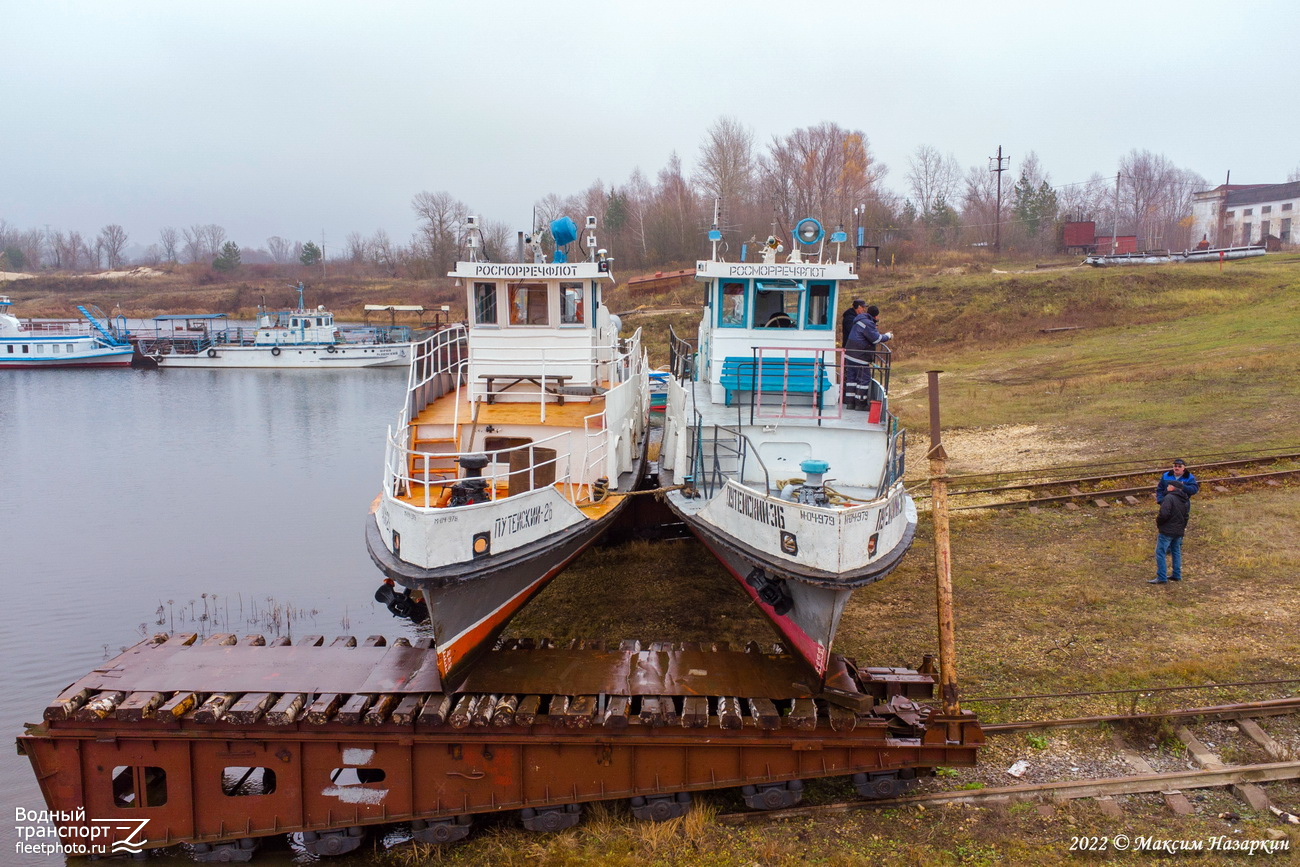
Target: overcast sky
(286,118)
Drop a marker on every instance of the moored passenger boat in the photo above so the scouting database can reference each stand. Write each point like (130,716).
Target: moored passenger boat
(91,344)
(519,438)
(798,492)
(299,338)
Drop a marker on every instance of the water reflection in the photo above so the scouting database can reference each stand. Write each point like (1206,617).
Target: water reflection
(133,497)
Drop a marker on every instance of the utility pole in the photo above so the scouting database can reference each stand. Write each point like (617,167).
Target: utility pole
(1114,230)
(948,692)
(322,254)
(997,220)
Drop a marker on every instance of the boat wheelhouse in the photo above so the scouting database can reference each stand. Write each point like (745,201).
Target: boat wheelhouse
(798,492)
(299,338)
(520,436)
(92,343)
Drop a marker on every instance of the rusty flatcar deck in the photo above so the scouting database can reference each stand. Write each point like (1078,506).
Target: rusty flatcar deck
(220,743)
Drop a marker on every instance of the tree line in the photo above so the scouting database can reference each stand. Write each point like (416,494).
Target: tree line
(824,171)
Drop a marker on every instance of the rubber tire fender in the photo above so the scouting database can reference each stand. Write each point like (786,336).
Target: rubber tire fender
(275,350)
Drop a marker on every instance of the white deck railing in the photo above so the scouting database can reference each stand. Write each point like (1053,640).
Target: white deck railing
(439,365)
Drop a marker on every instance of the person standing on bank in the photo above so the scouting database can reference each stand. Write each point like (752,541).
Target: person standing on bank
(859,351)
(1171,524)
(1178,473)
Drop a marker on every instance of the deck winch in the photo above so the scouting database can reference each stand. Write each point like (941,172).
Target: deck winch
(473,488)
(813,490)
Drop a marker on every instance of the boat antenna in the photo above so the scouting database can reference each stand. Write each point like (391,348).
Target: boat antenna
(715,234)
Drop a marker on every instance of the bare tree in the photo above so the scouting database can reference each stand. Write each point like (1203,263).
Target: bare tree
(152,255)
(355,248)
(78,253)
(382,253)
(113,239)
(932,178)
(727,169)
(169,238)
(979,208)
(194,248)
(1156,198)
(214,237)
(498,240)
(281,250)
(821,170)
(440,216)
(1092,199)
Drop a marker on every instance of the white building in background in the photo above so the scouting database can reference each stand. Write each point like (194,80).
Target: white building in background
(1237,214)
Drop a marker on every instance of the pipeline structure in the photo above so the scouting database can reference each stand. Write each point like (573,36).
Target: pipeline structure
(220,743)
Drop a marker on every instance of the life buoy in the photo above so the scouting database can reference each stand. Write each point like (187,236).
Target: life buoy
(275,350)
(212,353)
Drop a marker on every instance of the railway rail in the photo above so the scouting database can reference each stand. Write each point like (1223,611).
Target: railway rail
(223,742)
(1211,772)
(1088,483)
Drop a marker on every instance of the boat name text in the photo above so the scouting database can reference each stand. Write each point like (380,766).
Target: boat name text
(523,520)
(488,269)
(755,269)
(756,508)
(886,516)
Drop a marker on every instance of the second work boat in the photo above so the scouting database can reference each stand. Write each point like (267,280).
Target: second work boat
(518,440)
(797,491)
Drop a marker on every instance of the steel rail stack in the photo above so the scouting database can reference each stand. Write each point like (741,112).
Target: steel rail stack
(221,742)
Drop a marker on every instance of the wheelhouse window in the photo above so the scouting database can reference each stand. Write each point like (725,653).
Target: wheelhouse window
(819,306)
(485,304)
(528,304)
(570,303)
(776,303)
(731,307)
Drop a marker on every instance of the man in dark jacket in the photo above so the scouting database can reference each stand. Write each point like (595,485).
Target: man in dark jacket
(1171,523)
(859,353)
(847,317)
(1179,473)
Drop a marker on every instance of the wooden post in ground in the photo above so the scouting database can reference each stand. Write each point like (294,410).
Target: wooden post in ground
(942,562)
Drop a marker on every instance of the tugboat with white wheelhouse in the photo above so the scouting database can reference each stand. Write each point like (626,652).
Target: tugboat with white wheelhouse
(797,491)
(519,438)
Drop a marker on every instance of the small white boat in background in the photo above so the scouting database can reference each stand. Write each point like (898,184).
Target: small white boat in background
(92,344)
(283,339)
(797,493)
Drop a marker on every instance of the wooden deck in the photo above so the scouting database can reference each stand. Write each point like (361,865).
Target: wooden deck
(503,414)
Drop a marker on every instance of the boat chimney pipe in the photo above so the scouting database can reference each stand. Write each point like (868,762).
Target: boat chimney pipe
(520,248)
(943,563)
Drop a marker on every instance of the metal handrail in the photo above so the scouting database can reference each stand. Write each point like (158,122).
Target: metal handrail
(402,479)
(681,357)
(712,479)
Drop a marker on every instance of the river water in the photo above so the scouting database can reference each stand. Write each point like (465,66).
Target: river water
(135,502)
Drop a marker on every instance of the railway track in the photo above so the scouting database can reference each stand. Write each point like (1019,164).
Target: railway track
(1121,483)
(1244,780)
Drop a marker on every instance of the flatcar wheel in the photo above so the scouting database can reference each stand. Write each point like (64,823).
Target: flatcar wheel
(551,819)
(661,808)
(773,796)
(327,843)
(441,830)
(884,784)
(238,852)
